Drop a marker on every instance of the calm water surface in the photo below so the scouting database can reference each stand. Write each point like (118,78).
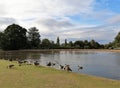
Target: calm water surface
(103,64)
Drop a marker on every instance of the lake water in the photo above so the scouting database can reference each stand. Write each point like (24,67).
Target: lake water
(102,64)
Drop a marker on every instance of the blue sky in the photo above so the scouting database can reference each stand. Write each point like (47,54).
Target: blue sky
(112,5)
(68,19)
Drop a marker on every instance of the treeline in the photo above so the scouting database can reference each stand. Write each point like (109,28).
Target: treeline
(15,37)
(115,44)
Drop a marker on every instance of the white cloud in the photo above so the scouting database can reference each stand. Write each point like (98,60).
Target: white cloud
(114,19)
(5,20)
(34,8)
(2,10)
(52,19)
(22,10)
(55,24)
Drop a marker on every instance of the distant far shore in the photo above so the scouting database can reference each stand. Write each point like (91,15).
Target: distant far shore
(96,50)
(44,50)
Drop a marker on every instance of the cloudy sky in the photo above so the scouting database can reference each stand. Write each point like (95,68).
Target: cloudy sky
(69,19)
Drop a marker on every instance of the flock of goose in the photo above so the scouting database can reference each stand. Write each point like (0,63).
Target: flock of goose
(36,63)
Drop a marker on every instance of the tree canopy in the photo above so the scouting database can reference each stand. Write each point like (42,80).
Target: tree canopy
(45,44)
(34,37)
(14,38)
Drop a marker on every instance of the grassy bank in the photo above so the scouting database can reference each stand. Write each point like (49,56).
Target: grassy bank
(29,76)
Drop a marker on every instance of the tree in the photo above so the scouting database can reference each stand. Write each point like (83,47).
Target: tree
(86,44)
(45,44)
(58,41)
(14,38)
(34,37)
(1,38)
(94,45)
(79,44)
(71,44)
(65,42)
(109,46)
(117,40)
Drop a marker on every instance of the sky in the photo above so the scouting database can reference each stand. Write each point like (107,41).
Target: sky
(67,19)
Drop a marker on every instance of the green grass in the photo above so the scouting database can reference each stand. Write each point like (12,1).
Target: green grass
(29,76)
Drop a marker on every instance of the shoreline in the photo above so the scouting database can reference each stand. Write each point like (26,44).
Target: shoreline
(47,76)
(64,50)
(44,50)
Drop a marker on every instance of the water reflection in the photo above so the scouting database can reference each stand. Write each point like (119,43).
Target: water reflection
(19,55)
(104,64)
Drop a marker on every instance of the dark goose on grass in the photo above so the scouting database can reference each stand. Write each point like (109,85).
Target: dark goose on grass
(103,64)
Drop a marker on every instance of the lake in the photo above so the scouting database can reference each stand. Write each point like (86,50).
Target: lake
(102,64)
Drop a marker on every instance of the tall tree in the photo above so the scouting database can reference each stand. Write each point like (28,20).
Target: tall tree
(58,41)
(65,42)
(14,38)
(34,37)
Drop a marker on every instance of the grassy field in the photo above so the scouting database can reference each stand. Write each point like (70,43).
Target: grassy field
(29,76)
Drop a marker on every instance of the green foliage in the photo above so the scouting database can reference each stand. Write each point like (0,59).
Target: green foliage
(115,44)
(65,42)
(1,38)
(58,41)
(14,38)
(86,45)
(45,44)
(117,41)
(34,37)
(94,45)
(79,44)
